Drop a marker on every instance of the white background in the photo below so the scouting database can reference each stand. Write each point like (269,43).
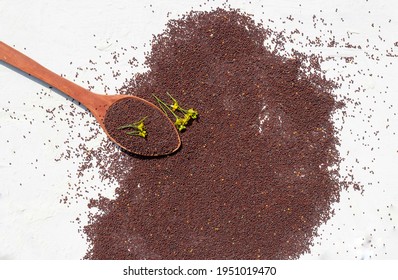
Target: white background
(34,225)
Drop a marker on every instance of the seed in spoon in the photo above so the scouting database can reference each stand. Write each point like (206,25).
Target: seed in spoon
(161,135)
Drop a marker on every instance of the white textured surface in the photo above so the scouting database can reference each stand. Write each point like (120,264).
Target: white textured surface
(34,225)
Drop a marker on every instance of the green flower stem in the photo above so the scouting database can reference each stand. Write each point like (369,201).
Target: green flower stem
(138,128)
(180,122)
(163,104)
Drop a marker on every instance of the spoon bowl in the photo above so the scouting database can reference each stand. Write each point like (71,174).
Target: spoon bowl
(166,139)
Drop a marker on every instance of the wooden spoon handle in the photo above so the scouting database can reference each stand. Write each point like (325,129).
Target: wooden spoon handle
(22,62)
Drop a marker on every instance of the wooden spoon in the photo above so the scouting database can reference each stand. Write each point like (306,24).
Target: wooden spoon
(99,104)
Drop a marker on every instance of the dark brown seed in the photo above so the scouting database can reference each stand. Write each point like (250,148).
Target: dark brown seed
(254,177)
